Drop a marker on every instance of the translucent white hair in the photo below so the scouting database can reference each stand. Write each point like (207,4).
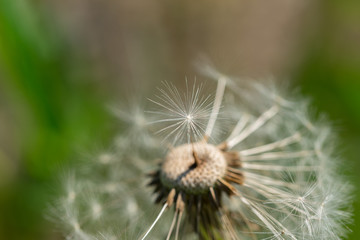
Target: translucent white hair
(292,187)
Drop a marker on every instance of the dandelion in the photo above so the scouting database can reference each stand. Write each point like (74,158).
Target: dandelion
(244,163)
(185,115)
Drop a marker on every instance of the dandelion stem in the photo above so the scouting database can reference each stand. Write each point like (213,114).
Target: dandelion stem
(178,225)
(172,225)
(156,220)
(228,226)
(216,107)
(239,126)
(269,222)
(270,167)
(279,155)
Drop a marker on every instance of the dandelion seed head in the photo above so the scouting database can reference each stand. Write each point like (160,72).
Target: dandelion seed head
(96,209)
(105,158)
(71,196)
(76,226)
(181,117)
(132,207)
(270,174)
(136,128)
(189,118)
(110,187)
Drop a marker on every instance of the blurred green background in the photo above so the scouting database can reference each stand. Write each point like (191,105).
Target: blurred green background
(62,62)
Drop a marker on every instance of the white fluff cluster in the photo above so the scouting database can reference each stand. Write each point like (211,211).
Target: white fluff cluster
(291,188)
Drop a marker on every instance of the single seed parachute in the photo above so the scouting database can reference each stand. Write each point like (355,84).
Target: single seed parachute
(244,163)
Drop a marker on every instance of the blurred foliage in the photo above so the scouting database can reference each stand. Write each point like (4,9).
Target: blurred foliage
(57,107)
(330,74)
